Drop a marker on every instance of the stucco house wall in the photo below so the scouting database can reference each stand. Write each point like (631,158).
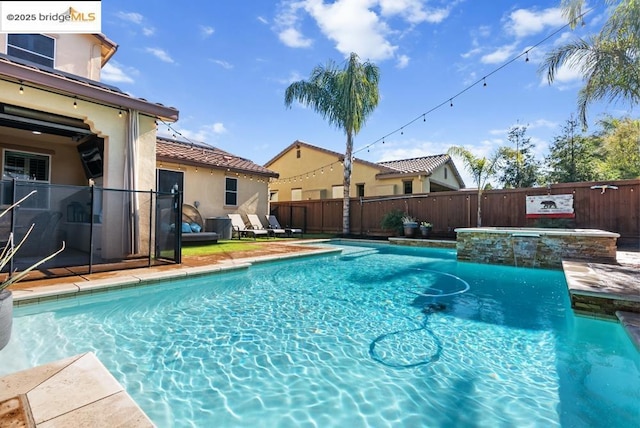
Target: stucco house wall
(308,172)
(207,187)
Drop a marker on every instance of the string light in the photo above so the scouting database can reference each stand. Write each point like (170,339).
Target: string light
(75,104)
(21,90)
(482,80)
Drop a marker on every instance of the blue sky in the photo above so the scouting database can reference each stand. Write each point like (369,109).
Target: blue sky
(226,64)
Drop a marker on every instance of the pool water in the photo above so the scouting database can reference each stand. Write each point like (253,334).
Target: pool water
(378,336)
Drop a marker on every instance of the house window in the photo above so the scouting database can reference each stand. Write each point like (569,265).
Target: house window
(298,153)
(296,194)
(31,167)
(408,187)
(445,172)
(32,47)
(337,192)
(360,190)
(273,196)
(25,166)
(231,191)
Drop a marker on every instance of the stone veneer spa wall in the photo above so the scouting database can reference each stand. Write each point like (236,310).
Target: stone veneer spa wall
(534,247)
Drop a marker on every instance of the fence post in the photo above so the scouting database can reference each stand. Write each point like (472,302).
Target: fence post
(150,222)
(91,195)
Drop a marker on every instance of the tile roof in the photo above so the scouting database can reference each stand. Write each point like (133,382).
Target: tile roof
(199,154)
(339,156)
(425,164)
(422,165)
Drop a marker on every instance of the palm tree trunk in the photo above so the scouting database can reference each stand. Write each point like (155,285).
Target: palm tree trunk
(346,184)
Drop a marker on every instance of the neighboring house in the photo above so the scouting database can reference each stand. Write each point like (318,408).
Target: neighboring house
(214,181)
(310,172)
(60,125)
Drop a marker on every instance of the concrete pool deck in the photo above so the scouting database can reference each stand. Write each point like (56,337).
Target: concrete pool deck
(109,405)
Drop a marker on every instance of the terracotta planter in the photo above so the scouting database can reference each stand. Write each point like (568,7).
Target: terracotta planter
(6,317)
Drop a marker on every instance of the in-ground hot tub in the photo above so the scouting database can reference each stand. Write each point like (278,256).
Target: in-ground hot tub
(534,247)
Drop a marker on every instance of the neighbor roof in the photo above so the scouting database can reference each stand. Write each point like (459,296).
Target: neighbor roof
(339,156)
(203,155)
(423,165)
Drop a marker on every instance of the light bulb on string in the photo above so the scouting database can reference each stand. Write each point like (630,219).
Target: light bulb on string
(484,81)
(424,119)
(451,102)
(526,56)
(21,90)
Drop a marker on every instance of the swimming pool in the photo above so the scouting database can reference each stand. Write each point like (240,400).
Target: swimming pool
(355,340)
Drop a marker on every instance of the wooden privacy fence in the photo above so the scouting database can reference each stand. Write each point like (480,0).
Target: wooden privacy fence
(615,210)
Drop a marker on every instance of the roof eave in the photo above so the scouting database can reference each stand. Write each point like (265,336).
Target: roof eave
(189,162)
(80,89)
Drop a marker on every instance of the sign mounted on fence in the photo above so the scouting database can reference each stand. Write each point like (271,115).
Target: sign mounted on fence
(550,206)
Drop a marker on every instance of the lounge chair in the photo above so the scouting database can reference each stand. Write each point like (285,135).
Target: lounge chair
(256,224)
(240,229)
(273,223)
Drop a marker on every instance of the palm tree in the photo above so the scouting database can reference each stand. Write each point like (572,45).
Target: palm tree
(609,61)
(479,168)
(345,98)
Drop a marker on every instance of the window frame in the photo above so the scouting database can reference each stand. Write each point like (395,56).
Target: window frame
(40,202)
(10,46)
(360,186)
(46,156)
(406,183)
(229,192)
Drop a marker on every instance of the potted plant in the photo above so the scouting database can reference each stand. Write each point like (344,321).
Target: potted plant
(393,221)
(6,296)
(425,229)
(409,225)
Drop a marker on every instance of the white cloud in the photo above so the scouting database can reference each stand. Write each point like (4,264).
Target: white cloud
(413,11)
(134,17)
(206,31)
(369,28)
(353,27)
(294,39)
(224,64)
(524,22)
(204,134)
(499,55)
(161,54)
(137,19)
(262,19)
(114,72)
(403,61)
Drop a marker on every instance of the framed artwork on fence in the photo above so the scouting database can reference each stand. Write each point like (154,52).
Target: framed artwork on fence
(550,206)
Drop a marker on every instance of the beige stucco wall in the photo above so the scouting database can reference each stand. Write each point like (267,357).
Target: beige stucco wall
(324,171)
(74,53)
(207,186)
(438,176)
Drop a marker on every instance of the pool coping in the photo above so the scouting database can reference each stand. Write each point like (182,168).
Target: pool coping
(74,289)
